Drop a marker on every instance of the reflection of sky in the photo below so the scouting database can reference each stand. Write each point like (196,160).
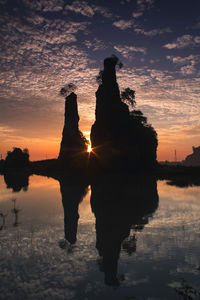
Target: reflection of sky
(33,264)
(46,44)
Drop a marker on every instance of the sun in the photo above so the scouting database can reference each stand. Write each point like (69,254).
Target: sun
(89,149)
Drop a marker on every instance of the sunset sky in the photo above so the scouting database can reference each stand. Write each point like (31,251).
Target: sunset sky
(46,44)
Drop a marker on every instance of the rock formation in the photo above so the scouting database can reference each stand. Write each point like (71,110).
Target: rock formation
(194,158)
(120,138)
(73,144)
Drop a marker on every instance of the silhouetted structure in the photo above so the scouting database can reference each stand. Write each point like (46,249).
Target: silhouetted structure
(193,159)
(120,203)
(73,144)
(72,194)
(17,159)
(16,181)
(2,164)
(120,137)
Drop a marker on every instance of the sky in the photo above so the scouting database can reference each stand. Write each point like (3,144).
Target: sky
(46,44)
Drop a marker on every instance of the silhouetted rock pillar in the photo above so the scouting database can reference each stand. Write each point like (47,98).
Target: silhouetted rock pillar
(118,137)
(73,141)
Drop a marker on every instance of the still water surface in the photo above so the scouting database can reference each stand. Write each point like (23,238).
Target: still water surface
(134,239)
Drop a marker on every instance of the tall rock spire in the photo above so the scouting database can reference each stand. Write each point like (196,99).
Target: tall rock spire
(120,137)
(73,142)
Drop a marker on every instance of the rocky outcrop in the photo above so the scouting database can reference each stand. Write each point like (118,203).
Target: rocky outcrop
(73,143)
(118,137)
(194,158)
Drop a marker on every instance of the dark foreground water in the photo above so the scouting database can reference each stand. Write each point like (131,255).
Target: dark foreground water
(145,244)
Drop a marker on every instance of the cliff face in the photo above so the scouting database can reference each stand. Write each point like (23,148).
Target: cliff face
(73,142)
(118,136)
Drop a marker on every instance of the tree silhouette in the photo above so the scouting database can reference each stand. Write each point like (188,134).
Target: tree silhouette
(128,97)
(138,116)
(67,89)
(17,158)
(99,77)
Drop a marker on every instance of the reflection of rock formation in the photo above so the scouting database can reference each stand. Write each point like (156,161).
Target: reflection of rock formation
(73,143)
(72,194)
(124,203)
(117,135)
(194,158)
(16,181)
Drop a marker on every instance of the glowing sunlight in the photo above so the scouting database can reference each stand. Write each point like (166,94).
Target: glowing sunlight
(89,149)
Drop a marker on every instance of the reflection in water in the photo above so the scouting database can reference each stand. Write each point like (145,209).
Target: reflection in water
(72,194)
(17,181)
(120,203)
(33,266)
(185,181)
(15,211)
(3,220)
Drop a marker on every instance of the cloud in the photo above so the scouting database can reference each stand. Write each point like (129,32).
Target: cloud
(152,32)
(123,24)
(193,130)
(6,130)
(188,70)
(105,12)
(83,8)
(188,63)
(184,41)
(44,5)
(137,14)
(127,51)
(95,44)
(142,6)
(183,60)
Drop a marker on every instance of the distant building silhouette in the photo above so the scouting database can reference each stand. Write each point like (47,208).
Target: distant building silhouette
(119,137)
(194,158)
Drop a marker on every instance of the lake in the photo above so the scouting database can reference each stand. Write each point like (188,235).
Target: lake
(121,237)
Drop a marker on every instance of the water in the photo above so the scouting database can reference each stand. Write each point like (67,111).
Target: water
(146,232)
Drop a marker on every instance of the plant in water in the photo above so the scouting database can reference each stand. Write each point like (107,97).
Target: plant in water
(187,291)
